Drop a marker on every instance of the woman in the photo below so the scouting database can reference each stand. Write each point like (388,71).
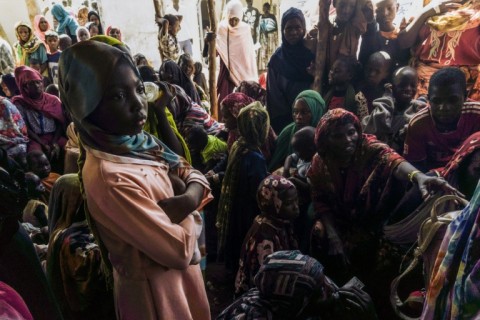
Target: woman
(171,73)
(74,259)
(41,26)
(101,88)
(246,168)
(268,37)
(13,131)
(29,47)
(235,47)
(308,108)
(42,113)
(287,70)
(66,23)
(230,107)
(352,177)
(95,19)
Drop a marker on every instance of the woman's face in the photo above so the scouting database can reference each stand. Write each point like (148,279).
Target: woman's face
(114,33)
(5,90)
(233,22)
(43,25)
(301,114)
(34,88)
(266,9)
(94,19)
(23,33)
(123,109)
(188,67)
(93,30)
(293,31)
(228,118)
(342,141)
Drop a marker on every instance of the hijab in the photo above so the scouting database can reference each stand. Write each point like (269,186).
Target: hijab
(289,60)
(66,24)
(9,80)
(109,28)
(270,192)
(253,90)
(47,104)
(99,26)
(36,25)
(235,45)
(23,51)
(179,78)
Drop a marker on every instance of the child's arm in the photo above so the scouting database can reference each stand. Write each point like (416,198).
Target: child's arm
(287,165)
(162,25)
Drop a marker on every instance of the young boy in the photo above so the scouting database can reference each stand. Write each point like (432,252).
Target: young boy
(205,148)
(376,74)
(38,163)
(436,132)
(51,38)
(169,27)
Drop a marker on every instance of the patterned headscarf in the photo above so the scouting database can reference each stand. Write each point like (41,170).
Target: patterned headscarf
(288,280)
(331,120)
(253,124)
(22,51)
(253,90)
(269,194)
(235,102)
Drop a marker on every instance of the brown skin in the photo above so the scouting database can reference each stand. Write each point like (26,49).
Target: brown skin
(386,11)
(446,103)
(93,30)
(302,116)
(404,87)
(115,33)
(345,9)
(339,76)
(289,209)
(233,22)
(43,25)
(293,31)
(52,43)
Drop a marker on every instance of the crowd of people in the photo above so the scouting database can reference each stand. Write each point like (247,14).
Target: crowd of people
(119,189)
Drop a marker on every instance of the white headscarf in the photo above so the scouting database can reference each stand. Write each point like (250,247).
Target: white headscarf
(234,10)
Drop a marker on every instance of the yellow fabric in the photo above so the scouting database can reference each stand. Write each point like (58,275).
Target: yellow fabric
(465,17)
(214,146)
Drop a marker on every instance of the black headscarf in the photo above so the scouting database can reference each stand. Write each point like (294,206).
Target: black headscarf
(292,61)
(180,79)
(94,13)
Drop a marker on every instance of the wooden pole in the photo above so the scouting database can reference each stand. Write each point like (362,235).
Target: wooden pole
(33,8)
(321,49)
(158,5)
(212,55)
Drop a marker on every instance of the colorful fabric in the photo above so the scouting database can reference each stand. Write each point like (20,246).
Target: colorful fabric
(253,124)
(178,77)
(47,104)
(32,48)
(12,305)
(7,64)
(268,233)
(235,46)
(66,23)
(284,287)
(13,131)
(39,33)
(453,289)
(268,40)
(317,107)
(169,47)
(425,143)
(214,146)
(253,90)
(350,201)
(465,17)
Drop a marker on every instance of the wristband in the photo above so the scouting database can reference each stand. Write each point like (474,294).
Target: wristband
(437,9)
(412,175)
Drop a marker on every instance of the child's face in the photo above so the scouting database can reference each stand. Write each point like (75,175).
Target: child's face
(43,25)
(293,31)
(93,30)
(52,43)
(289,209)
(82,35)
(188,67)
(173,29)
(23,33)
(115,33)
(301,113)
(339,74)
(405,87)
(386,11)
(123,110)
(376,71)
(41,166)
(228,118)
(35,188)
(5,90)
(345,9)
(446,103)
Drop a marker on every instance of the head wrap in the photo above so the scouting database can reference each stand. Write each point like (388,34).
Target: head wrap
(65,20)
(23,51)
(47,104)
(80,29)
(36,25)
(234,9)
(180,79)
(235,102)
(253,90)
(331,120)
(269,193)
(109,28)
(100,27)
(292,61)
(253,124)
(315,103)
(9,80)
(85,70)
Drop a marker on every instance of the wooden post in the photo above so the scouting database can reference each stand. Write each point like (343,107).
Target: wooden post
(33,8)
(321,49)
(3,34)
(158,5)
(212,55)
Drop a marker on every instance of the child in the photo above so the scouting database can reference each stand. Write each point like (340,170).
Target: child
(384,37)
(64,42)
(392,112)
(169,27)
(271,231)
(82,34)
(199,77)
(376,73)
(342,94)
(208,148)
(35,64)
(38,163)
(52,40)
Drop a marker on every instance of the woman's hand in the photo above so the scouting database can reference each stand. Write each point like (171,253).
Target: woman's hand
(428,185)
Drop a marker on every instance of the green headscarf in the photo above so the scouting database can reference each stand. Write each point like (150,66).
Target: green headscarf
(317,107)
(253,124)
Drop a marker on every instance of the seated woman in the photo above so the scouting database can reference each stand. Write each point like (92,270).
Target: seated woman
(307,110)
(171,72)
(128,177)
(42,113)
(352,178)
(271,231)
(74,259)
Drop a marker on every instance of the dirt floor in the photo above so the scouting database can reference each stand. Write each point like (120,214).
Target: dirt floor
(219,288)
